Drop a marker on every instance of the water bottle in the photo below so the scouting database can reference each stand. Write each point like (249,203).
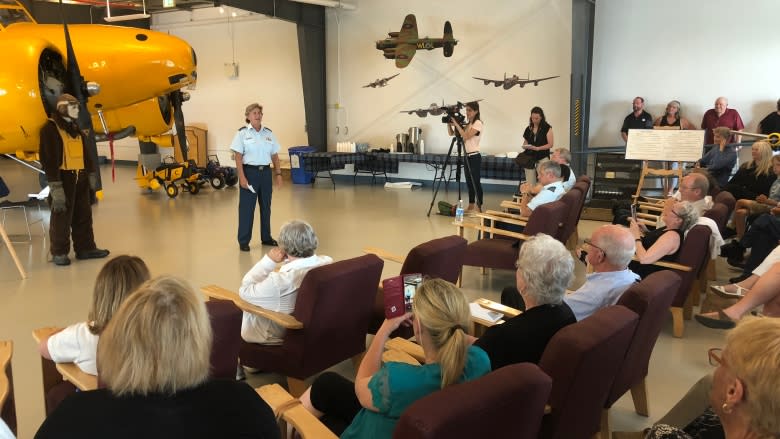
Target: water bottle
(459,212)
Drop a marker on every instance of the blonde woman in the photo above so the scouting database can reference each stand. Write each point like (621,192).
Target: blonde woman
(370,407)
(154,361)
(754,177)
(78,342)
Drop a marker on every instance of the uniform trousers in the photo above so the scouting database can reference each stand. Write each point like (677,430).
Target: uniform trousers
(76,221)
(262,183)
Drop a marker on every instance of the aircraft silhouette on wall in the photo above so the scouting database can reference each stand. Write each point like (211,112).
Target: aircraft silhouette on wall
(514,80)
(402,45)
(381,82)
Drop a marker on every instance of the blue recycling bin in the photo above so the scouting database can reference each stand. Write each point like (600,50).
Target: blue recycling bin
(297,172)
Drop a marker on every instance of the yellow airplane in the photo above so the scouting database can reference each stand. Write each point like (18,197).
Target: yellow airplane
(139,73)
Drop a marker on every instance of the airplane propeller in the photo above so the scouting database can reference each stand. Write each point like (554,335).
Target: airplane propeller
(177,99)
(81,90)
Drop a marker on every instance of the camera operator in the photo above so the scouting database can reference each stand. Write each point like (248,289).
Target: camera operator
(470,133)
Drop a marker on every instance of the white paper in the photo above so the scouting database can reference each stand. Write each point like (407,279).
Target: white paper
(665,145)
(484,314)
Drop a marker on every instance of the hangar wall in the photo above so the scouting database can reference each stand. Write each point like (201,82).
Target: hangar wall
(692,51)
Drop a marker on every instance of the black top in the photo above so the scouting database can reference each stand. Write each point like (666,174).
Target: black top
(221,408)
(665,123)
(538,139)
(523,338)
(771,123)
(745,184)
(644,121)
(644,270)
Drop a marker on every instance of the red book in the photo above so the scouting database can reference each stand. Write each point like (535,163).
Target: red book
(399,293)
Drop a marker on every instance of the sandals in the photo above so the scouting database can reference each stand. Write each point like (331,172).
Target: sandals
(720,290)
(723,321)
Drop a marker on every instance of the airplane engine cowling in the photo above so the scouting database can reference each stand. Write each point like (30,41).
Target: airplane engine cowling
(30,89)
(150,118)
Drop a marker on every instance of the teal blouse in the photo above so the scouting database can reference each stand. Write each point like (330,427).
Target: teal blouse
(397,385)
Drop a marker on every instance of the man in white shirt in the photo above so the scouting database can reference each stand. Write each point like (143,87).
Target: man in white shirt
(549,176)
(277,290)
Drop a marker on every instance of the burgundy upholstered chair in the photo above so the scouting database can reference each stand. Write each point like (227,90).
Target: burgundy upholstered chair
(649,299)
(694,252)
(585,178)
(334,306)
(719,213)
(726,198)
(225,320)
(440,258)
(508,402)
(574,200)
(501,251)
(7,401)
(583,360)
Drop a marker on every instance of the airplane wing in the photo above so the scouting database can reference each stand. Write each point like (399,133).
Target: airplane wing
(391,77)
(488,81)
(535,81)
(544,79)
(408,29)
(403,54)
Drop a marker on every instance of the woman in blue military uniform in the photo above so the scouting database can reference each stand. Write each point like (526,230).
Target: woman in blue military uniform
(255,148)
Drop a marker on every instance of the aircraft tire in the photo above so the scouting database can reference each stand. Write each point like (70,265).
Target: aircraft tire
(172,190)
(217,182)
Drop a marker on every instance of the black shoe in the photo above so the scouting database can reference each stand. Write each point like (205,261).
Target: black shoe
(739,278)
(243,247)
(95,253)
(728,232)
(721,322)
(272,242)
(61,259)
(736,262)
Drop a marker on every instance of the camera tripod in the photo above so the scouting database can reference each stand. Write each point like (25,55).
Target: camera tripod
(456,140)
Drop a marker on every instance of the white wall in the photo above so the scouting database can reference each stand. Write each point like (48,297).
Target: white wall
(692,51)
(526,36)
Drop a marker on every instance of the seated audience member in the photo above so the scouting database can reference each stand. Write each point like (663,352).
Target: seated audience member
(549,176)
(371,406)
(673,118)
(277,290)
(755,291)
(755,177)
(738,401)
(762,203)
(694,188)
(744,394)
(771,123)
(720,159)
(761,238)
(154,360)
(544,270)
(78,343)
(663,243)
(562,156)
(608,251)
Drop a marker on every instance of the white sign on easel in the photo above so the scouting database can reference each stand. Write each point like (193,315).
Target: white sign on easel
(665,145)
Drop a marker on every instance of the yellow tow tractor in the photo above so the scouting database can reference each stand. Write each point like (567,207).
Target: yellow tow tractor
(170,174)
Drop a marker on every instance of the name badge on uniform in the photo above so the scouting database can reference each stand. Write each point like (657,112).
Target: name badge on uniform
(268,139)
(249,139)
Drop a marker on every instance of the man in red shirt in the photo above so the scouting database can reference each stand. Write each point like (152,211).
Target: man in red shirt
(721,116)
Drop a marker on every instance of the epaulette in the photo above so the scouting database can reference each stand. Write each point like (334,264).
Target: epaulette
(268,129)
(242,128)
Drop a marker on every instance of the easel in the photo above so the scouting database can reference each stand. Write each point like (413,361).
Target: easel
(13,252)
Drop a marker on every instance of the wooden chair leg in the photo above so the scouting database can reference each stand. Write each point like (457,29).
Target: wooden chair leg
(677,320)
(605,431)
(12,251)
(460,277)
(296,387)
(639,395)
(688,305)
(484,271)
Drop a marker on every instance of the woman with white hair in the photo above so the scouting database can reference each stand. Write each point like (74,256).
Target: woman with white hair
(544,270)
(663,243)
(154,360)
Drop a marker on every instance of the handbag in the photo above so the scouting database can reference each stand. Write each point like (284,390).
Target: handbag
(526,159)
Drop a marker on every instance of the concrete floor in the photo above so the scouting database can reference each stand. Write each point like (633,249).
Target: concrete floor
(194,237)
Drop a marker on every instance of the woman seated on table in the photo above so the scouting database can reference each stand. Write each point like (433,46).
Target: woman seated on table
(743,395)
(663,243)
(154,360)
(371,406)
(78,342)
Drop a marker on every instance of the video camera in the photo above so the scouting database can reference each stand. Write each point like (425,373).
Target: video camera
(453,111)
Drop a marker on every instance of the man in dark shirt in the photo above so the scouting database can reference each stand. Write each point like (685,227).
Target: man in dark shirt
(544,270)
(639,118)
(771,123)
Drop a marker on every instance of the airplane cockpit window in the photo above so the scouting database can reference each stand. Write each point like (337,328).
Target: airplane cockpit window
(11,16)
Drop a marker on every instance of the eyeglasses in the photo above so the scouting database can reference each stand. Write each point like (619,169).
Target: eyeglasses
(589,243)
(715,356)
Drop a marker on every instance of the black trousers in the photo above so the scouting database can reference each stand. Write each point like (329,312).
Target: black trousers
(76,221)
(473,171)
(334,395)
(262,183)
(761,238)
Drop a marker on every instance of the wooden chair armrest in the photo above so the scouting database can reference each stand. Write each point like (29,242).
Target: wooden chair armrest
(485,323)
(394,355)
(492,230)
(42,333)
(651,206)
(77,377)
(301,419)
(497,307)
(506,204)
(406,346)
(670,265)
(382,253)
(515,216)
(502,218)
(285,320)
(6,352)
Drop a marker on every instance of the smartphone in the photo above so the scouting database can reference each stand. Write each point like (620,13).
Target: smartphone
(583,255)
(633,211)
(411,282)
